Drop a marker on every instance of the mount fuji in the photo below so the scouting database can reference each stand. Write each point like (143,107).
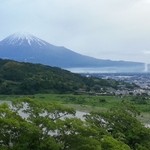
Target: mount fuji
(28,48)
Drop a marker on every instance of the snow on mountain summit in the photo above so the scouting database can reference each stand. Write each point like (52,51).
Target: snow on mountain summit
(23,39)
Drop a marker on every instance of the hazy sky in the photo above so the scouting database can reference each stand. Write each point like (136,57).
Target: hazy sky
(109,29)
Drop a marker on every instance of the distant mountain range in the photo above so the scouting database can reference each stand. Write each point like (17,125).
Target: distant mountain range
(28,48)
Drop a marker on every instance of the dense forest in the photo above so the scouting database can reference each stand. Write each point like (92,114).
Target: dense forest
(35,125)
(27,78)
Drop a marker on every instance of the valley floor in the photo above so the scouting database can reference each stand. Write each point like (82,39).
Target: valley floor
(88,103)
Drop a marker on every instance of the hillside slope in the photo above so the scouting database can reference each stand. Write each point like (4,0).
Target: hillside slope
(27,78)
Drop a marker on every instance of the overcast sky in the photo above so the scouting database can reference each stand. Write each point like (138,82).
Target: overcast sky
(109,29)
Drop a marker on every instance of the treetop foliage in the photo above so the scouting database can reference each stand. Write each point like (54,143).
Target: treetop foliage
(35,125)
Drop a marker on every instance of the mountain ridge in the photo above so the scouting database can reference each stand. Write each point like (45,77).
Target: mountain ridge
(28,48)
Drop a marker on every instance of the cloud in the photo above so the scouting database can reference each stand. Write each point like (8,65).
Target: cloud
(110,29)
(146,52)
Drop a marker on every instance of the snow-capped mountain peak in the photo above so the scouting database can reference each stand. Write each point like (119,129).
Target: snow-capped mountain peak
(28,48)
(23,39)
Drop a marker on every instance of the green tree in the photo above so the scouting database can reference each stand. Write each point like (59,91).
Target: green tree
(109,143)
(37,125)
(122,124)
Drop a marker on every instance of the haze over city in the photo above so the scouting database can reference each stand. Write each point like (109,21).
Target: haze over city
(106,29)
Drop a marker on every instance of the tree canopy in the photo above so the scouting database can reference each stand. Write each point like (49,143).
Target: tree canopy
(35,125)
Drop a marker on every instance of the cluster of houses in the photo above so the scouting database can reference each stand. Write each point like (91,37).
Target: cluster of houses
(141,80)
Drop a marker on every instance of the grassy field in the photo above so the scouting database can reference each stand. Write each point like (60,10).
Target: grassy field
(88,103)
